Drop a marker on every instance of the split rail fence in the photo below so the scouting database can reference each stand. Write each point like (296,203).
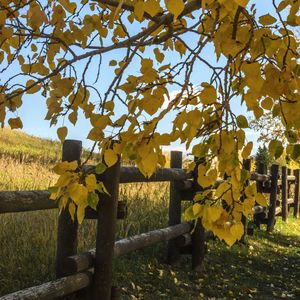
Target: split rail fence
(90,273)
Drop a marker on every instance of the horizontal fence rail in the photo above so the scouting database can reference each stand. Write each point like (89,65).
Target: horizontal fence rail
(52,290)
(21,201)
(133,174)
(84,261)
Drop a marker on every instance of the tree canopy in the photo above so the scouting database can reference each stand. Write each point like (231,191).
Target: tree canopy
(62,50)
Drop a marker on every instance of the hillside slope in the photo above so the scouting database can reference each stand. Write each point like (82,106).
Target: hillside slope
(27,148)
(24,147)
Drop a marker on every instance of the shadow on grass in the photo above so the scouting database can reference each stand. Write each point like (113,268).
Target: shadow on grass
(266,267)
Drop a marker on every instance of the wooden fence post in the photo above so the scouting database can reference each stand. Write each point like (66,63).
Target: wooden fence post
(261,169)
(198,236)
(284,193)
(107,216)
(246,166)
(297,193)
(173,251)
(67,229)
(273,197)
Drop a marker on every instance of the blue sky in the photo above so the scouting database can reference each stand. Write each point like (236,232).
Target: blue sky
(34,106)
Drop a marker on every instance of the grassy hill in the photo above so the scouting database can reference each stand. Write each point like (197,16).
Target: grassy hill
(27,148)
(24,147)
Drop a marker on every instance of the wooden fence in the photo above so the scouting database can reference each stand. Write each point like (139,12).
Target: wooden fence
(91,271)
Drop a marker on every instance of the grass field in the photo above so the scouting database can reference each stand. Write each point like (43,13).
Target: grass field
(266,267)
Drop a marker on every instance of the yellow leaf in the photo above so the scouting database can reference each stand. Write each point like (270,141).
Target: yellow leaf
(267,20)
(73,117)
(175,7)
(95,134)
(109,105)
(180,48)
(113,63)
(64,179)
(247,206)
(78,193)
(15,123)
(80,213)
(148,164)
(60,168)
(110,157)
(196,209)
(34,89)
(206,179)
(250,190)
(247,150)
(222,188)
(242,3)
(139,10)
(158,55)
(152,7)
(68,6)
(214,213)
(91,182)
(208,95)
(228,238)
(237,230)
(72,210)
(62,133)
(267,103)
(261,199)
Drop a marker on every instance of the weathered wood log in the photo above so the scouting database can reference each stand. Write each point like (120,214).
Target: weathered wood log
(121,212)
(291,178)
(24,201)
(297,193)
(54,289)
(67,228)
(105,240)
(284,193)
(258,209)
(183,240)
(185,185)
(132,174)
(173,250)
(273,197)
(20,201)
(84,261)
(259,177)
(278,211)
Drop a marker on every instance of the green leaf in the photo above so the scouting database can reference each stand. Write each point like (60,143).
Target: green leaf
(100,168)
(276,148)
(296,152)
(242,121)
(93,200)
